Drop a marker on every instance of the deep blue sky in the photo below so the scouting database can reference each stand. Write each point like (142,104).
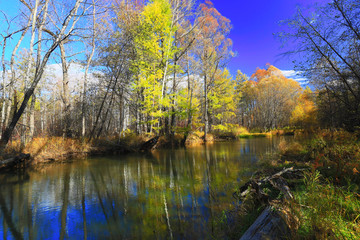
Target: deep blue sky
(254,24)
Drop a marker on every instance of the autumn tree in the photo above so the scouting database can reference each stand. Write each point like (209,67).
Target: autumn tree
(271,97)
(222,106)
(241,81)
(155,67)
(154,49)
(213,48)
(304,114)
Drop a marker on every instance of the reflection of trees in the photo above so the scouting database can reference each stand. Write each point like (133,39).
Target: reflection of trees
(173,194)
(8,219)
(83,205)
(11,219)
(65,202)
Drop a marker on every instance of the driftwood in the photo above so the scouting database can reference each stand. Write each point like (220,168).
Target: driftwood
(15,160)
(276,180)
(147,146)
(269,225)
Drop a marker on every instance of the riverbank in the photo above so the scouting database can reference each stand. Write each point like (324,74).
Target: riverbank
(60,149)
(323,201)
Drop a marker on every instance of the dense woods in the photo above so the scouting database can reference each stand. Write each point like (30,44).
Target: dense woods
(95,68)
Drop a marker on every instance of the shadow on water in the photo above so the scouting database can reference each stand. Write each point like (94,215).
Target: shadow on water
(169,194)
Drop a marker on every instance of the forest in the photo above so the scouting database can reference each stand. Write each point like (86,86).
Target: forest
(150,68)
(81,76)
(159,68)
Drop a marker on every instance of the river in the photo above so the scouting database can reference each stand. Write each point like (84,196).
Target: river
(167,194)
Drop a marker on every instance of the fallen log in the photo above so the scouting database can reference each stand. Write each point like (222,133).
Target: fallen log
(14,160)
(269,225)
(147,146)
(277,181)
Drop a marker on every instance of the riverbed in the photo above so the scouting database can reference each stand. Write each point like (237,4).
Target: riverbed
(167,194)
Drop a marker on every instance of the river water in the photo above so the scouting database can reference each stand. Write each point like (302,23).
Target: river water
(167,194)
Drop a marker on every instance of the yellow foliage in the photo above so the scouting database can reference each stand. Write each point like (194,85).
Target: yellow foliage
(304,114)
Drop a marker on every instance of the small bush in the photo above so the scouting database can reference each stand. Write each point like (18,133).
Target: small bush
(290,148)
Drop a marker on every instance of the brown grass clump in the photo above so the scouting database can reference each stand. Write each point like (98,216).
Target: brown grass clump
(43,149)
(290,148)
(168,142)
(278,132)
(194,138)
(209,138)
(240,130)
(283,132)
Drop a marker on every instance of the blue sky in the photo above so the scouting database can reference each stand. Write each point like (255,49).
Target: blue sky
(254,24)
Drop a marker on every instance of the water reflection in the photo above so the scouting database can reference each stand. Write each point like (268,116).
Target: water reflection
(170,194)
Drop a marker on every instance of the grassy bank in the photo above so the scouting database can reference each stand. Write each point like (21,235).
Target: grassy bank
(50,149)
(326,199)
(58,149)
(327,204)
(233,132)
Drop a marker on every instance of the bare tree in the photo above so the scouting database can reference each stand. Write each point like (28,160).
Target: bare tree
(328,45)
(66,30)
(93,46)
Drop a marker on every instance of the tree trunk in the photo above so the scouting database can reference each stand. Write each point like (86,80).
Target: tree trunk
(32,117)
(2,120)
(269,225)
(83,120)
(65,96)
(206,117)
(173,115)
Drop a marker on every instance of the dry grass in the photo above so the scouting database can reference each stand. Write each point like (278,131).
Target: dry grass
(51,148)
(194,138)
(283,132)
(290,148)
(240,130)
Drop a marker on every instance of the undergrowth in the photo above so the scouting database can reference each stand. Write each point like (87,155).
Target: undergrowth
(326,211)
(327,204)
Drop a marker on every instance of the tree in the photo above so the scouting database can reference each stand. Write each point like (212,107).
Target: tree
(328,42)
(66,30)
(221,100)
(304,114)
(154,48)
(271,98)
(213,48)
(86,75)
(240,85)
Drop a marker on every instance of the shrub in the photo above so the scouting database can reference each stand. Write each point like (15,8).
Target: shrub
(290,148)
